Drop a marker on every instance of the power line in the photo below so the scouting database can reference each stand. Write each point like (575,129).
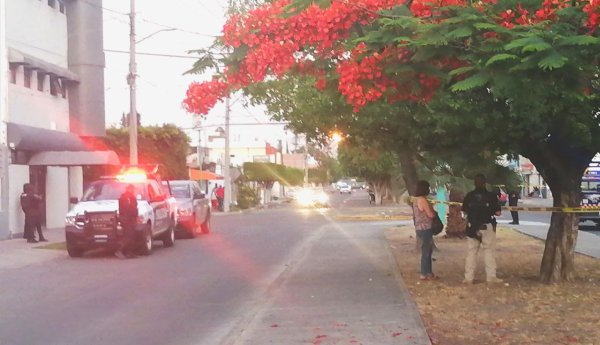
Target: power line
(149,21)
(151,54)
(238,124)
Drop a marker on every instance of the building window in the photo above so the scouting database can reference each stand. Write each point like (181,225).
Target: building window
(55,86)
(13,73)
(63,88)
(41,78)
(52,3)
(27,77)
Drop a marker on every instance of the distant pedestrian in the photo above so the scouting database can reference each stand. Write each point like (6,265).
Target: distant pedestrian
(31,204)
(220,193)
(513,200)
(128,214)
(371,197)
(422,215)
(481,206)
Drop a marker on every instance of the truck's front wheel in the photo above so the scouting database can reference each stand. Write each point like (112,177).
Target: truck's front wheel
(146,244)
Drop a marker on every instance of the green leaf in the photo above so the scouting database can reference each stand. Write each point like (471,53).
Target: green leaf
(526,64)
(485,26)
(434,40)
(500,57)
(461,70)
(460,32)
(552,61)
(202,64)
(518,43)
(581,40)
(536,47)
(472,82)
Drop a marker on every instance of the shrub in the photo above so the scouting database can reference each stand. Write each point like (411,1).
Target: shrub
(247,197)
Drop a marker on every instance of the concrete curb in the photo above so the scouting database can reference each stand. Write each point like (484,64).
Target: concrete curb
(371,217)
(425,338)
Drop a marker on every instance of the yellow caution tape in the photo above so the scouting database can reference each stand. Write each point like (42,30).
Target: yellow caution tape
(584,209)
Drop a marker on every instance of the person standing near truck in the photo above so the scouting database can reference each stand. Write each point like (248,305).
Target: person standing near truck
(31,204)
(128,214)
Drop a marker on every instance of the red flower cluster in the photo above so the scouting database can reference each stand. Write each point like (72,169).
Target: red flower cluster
(201,97)
(277,44)
(592,9)
(547,12)
(430,8)
(362,81)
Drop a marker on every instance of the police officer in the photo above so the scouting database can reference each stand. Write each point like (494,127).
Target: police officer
(513,200)
(128,214)
(481,206)
(31,204)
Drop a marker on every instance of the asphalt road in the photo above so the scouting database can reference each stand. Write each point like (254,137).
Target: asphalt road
(204,290)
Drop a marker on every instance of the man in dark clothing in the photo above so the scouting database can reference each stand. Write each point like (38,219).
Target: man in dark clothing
(481,206)
(513,200)
(128,214)
(32,207)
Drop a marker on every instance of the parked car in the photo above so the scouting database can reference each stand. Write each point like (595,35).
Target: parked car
(193,207)
(94,220)
(345,189)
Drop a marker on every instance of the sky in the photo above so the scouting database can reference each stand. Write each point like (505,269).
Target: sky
(170,28)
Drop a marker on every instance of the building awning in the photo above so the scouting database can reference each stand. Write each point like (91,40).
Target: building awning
(19,58)
(196,174)
(27,138)
(74,158)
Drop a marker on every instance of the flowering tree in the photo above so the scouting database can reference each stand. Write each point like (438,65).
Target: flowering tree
(496,75)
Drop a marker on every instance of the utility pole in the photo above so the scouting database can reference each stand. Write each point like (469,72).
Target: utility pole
(133,130)
(226,172)
(199,149)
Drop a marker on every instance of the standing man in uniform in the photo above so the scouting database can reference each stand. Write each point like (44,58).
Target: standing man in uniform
(480,207)
(128,214)
(31,204)
(513,200)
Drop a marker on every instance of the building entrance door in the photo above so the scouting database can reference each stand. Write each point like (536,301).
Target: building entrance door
(37,177)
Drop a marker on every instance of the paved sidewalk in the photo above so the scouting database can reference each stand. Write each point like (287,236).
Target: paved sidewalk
(17,253)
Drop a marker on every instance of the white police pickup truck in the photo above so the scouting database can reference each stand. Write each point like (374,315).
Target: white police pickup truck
(93,221)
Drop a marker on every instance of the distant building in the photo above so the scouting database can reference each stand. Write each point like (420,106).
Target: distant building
(51,103)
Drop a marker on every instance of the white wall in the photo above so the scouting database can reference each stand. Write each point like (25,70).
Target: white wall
(18,175)
(31,107)
(76,182)
(37,29)
(57,196)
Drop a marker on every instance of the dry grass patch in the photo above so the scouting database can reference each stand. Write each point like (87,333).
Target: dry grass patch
(521,311)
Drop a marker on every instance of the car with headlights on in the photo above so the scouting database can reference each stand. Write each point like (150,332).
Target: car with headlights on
(193,207)
(311,197)
(94,220)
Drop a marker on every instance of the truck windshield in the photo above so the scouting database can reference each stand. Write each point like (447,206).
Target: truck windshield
(180,191)
(112,190)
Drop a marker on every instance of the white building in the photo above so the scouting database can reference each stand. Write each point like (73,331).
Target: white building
(52,103)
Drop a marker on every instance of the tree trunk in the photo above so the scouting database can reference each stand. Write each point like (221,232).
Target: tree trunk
(456,224)
(562,168)
(558,263)
(408,163)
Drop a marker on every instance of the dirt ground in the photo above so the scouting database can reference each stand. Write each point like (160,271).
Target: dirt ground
(520,311)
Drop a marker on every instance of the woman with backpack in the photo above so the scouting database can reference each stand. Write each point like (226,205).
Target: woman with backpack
(423,214)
